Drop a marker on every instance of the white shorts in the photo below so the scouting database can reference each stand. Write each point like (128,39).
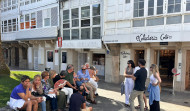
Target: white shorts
(16,103)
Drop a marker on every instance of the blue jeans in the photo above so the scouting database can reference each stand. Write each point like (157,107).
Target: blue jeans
(53,102)
(43,104)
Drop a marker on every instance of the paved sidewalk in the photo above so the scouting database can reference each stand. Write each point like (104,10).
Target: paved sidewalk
(110,99)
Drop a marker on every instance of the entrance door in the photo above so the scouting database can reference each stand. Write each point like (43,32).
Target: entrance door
(16,56)
(139,54)
(165,59)
(63,60)
(35,59)
(49,59)
(187,78)
(82,58)
(99,63)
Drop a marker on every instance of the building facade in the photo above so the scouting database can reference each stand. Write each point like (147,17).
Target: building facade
(154,30)
(29,32)
(82,31)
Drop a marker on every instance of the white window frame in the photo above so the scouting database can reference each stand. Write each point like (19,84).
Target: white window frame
(2,26)
(26,21)
(46,15)
(156,8)
(22,22)
(10,25)
(34,1)
(140,9)
(14,24)
(181,10)
(33,20)
(27,2)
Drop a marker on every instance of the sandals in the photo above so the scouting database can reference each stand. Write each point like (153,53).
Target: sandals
(138,107)
(146,108)
(126,105)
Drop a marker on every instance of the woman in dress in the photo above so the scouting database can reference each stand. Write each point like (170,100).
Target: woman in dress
(129,83)
(154,89)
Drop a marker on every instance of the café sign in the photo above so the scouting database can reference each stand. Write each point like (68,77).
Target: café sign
(146,37)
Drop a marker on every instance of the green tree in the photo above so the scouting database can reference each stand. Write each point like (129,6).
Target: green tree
(4,69)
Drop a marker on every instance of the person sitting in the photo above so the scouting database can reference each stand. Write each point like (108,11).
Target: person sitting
(77,101)
(61,96)
(68,91)
(21,98)
(92,72)
(49,92)
(37,91)
(84,77)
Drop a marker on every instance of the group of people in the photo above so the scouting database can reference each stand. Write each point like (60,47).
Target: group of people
(66,89)
(135,78)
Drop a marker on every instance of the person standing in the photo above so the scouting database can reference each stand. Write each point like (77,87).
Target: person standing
(154,89)
(129,82)
(140,79)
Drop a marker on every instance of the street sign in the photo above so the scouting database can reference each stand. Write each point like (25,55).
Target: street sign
(59,41)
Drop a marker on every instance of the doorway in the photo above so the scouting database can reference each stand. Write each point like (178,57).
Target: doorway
(49,59)
(139,54)
(63,60)
(165,60)
(16,56)
(99,62)
(187,78)
(35,59)
(82,59)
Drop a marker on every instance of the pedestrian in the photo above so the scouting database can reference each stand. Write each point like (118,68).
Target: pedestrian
(140,79)
(144,96)
(77,101)
(154,89)
(129,82)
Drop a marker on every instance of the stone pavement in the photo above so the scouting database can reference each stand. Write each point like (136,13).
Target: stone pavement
(110,99)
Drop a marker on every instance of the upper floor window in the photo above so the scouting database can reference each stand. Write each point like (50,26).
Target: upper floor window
(160,6)
(33,1)
(66,19)
(85,16)
(33,20)
(47,17)
(127,1)
(75,17)
(21,2)
(174,6)
(89,27)
(138,8)
(188,5)
(27,21)
(5,26)
(150,7)
(22,22)
(9,25)
(27,2)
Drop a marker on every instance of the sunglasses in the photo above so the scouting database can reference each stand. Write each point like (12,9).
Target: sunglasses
(83,69)
(128,63)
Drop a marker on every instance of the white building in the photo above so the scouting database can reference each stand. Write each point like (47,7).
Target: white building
(82,30)
(29,32)
(155,30)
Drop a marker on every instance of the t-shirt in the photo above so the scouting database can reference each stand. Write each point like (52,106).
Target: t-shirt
(69,77)
(76,101)
(57,77)
(18,89)
(141,76)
